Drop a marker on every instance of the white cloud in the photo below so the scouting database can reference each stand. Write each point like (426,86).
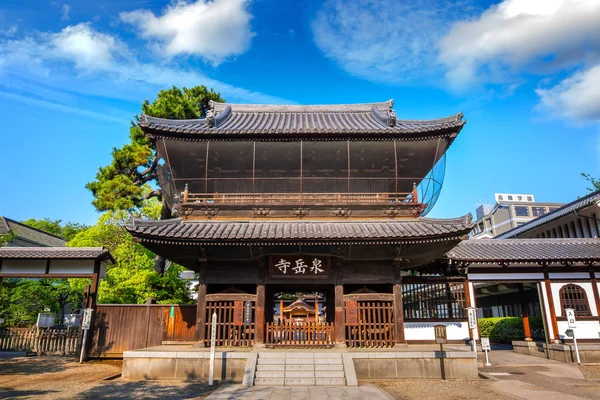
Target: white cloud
(385,40)
(539,36)
(86,47)
(576,98)
(213,30)
(65,15)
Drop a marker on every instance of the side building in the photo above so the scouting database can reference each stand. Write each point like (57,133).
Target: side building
(21,235)
(510,211)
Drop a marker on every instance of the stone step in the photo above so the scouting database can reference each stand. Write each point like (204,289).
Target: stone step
(269,381)
(326,367)
(330,381)
(299,381)
(272,367)
(326,361)
(327,374)
(271,361)
(300,367)
(270,374)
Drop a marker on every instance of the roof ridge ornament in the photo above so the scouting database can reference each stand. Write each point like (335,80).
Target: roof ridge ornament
(210,114)
(391,114)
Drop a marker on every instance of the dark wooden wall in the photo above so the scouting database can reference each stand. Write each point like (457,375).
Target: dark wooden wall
(121,327)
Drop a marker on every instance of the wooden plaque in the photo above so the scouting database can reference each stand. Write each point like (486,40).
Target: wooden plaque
(300,267)
(351,313)
(238,313)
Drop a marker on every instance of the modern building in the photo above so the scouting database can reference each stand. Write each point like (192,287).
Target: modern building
(21,235)
(509,211)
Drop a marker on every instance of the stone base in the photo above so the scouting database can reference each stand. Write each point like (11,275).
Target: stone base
(588,352)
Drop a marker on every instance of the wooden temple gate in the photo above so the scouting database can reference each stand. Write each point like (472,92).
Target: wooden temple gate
(236,318)
(369,319)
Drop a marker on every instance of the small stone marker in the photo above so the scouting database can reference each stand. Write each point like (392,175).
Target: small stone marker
(441,338)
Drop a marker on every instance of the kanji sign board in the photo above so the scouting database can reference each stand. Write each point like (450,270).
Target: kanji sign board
(87,318)
(571,320)
(299,267)
(485,343)
(472,312)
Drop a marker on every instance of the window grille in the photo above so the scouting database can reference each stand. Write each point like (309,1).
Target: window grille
(434,300)
(573,296)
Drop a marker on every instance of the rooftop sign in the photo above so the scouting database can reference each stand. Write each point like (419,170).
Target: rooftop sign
(511,197)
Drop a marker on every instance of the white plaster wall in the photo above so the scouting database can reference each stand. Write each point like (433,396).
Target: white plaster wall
(424,330)
(584,330)
(534,276)
(74,267)
(589,291)
(23,267)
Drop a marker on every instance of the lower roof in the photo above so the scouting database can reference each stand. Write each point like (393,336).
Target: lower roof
(28,234)
(526,250)
(217,232)
(78,253)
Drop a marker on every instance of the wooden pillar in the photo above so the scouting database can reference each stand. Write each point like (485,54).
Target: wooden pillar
(201,306)
(93,296)
(316,307)
(524,313)
(468,303)
(280,310)
(398,307)
(340,317)
(551,305)
(594,288)
(259,326)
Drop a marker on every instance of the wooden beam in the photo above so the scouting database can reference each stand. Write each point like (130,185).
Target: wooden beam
(201,306)
(524,313)
(551,305)
(340,317)
(398,308)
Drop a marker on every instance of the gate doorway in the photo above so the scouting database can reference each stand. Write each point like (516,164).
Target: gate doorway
(299,316)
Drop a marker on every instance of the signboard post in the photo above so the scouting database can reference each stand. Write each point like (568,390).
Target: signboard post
(248,313)
(572,325)
(86,322)
(472,315)
(485,346)
(441,338)
(213,340)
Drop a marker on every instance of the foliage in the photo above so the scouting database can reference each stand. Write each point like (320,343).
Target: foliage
(6,238)
(507,329)
(593,181)
(66,230)
(124,183)
(132,278)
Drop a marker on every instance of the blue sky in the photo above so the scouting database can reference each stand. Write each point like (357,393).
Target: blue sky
(526,74)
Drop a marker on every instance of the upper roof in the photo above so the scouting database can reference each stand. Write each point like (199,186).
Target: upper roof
(31,235)
(79,253)
(526,250)
(251,120)
(569,208)
(300,231)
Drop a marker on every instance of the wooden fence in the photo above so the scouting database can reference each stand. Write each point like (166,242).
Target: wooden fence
(43,340)
(373,327)
(121,327)
(231,331)
(292,333)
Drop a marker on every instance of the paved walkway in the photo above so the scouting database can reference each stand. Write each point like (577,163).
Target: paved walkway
(363,392)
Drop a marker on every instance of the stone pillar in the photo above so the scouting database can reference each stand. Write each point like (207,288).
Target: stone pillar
(399,339)
(259,325)
(201,307)
(524,313)
(340,317)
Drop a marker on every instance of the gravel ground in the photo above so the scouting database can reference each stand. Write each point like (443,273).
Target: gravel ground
(441,390)
(62,378)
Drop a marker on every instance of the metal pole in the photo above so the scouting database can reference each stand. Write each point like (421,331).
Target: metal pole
(487,361)
(576,348)
(82,355)
(443,364)
(213,339)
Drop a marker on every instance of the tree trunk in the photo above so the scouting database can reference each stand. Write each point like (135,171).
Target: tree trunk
(159,261)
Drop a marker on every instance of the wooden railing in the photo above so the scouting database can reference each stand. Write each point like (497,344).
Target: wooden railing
(300,334)
(374,326)
(64,341)
(296,198)
(228,332)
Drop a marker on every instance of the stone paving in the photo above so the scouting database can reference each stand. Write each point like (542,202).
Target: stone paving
(363,392)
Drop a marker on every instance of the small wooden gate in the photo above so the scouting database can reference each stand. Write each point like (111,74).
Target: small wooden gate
(235,318)
(369,319)
(300,333)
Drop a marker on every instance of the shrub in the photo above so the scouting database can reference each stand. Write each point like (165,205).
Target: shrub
(507,329)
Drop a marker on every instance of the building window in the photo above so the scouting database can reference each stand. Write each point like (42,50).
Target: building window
(538,211)
(433,300)
(488,221)
(573,296)
(522,211)
(552,209)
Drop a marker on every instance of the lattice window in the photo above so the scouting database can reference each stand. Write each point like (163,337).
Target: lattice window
(574,296)
(434,300)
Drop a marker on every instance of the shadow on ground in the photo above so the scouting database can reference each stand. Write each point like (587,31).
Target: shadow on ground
(146,390)
(8,393)
(25,366)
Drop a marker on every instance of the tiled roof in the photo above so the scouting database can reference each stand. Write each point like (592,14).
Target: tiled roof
(340,119)
(498,250)
(29,234)
(567,209)
(223,232)
(55,252)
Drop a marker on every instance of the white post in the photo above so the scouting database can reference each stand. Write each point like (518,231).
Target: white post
(576,348)
(487,361)
(213,340)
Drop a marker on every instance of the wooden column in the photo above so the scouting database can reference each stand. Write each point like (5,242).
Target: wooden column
(551,305)
(594,288)
(201,307)
(340,317)
(93,296)
(259,326)
(398,307)
(524,313)
(316,307)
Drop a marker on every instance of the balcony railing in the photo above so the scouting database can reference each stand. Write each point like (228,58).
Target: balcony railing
(273,199)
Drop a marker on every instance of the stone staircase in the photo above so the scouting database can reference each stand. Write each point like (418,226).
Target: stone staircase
(299,369)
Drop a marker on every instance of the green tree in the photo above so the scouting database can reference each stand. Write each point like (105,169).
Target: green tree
(66,230)
(130,179)
(592,181)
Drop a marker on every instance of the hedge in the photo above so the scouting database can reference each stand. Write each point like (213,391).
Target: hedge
(507,329)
